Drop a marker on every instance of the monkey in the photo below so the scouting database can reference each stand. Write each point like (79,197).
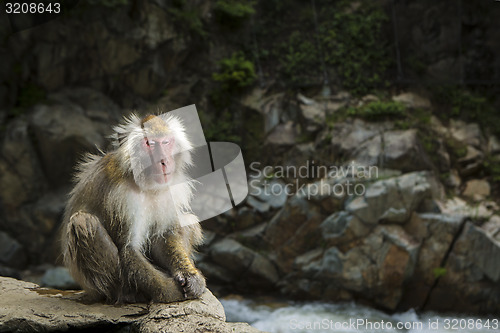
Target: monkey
(128,234)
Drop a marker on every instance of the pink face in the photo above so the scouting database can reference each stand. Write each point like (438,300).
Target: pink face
(160,151)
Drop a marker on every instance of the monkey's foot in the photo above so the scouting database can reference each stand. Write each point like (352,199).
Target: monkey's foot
(193,285)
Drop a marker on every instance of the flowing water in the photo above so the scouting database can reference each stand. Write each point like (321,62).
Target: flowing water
(288,317)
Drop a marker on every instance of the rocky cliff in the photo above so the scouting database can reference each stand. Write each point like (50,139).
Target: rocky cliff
(387,109)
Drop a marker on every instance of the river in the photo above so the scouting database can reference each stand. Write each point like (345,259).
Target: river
(298,317)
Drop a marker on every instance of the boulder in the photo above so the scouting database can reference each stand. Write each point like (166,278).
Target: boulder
(412,100)
(12,253)
(471,275)
(283,135)
(467,133)
(63,134)
(477,189)
(435,233)
(392,200)
(403,151)
(52,310)
(241,260)
(21,177)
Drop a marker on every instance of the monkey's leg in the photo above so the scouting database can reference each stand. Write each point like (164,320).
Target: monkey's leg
(91,256)
(172,252)
(142,276)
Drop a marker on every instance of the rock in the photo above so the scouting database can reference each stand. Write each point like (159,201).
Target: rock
(53,310)
(377,145)
(270,107)
(453,180)
(257,205)
(347,137)
(63,132)
(12,253)
(245,218)
(273,192)
(232,255)
(492,227)
(477,189)
(392,200)
(240,259)
(402,150)
(48,210)
(342,227)
(493,145)
(95,104)
(438,127)
(458,207)
(471,275)
(59,278)
(436,233)
(412,100)
(313,117)
(467,133)
(283,135)
(9,272)
(471,163)
(304,100)
(21,177)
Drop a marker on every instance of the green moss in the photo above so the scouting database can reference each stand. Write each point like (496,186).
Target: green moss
(378,110)
(439,272)
(232,13)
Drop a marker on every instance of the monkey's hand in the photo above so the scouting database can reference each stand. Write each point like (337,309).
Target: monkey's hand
(192,284)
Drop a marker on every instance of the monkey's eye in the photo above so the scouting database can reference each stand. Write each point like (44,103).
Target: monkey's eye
(150,143)
(166,142)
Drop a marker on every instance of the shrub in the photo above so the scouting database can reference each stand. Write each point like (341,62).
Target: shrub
(378,110)
(235,72)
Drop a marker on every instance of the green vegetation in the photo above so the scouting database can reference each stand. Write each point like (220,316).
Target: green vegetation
(235,73)
(492,167)
(187,18)
(220,130)
(378,110)
(348,44)
(354,45)
(233,12)
(468,105)
(299,60)
(439,272)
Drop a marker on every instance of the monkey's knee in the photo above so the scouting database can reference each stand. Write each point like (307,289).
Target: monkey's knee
(91,255)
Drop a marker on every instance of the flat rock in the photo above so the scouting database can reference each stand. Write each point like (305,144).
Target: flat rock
(478,189)
(26,307)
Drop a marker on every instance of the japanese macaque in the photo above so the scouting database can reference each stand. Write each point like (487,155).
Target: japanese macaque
(128,234)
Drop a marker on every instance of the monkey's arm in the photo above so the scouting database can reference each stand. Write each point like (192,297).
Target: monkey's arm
(172,252)
(141,274)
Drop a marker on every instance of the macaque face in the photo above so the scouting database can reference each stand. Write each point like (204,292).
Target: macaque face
(160,150)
